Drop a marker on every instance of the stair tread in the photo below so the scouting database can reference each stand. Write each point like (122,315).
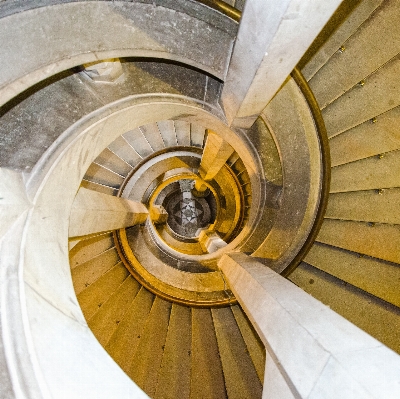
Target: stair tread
(88,272)
(207,379)
(125,340)
(100,188)
(197,133)
(380,93)
(182,130)
(377,277)
(88,249)
(146,361)
(106,320)
(138,142)
(351,303)
(113,162)
(345,69)
(254,345)
(367,139)
(367,174)
(153,136)
(100,175)
(339,36)
(368,206)
(241,379)
(380,241)
(174,376)
(167,130)
(121,147)
(101,290)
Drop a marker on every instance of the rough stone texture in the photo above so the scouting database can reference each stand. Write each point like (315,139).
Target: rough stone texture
(191,7)
(32,122)
(133,29)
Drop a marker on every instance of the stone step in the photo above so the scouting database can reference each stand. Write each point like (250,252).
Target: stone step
(345,69)
(113,162)
(101,175)
(182,130)
(153,136)
(101,188)
(125,340)
(207,379)
(91,298)
(241,379)
(88,272)
(125,151)
(174,376)
(357,106)
(377,206)
(106,320)
(367,174)
(356,17)
(378,318)
(374,276)
(167,130)
(254,345)
(138,142)
(147,359)
(89,248)
(367,139)
(380,241)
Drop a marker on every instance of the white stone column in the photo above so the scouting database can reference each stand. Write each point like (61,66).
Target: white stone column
(312,352)
(94,212)
(273,36)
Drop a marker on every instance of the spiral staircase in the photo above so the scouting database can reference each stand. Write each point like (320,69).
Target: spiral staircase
(309,191)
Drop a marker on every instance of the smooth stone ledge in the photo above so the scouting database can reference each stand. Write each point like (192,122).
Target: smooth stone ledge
(319,353)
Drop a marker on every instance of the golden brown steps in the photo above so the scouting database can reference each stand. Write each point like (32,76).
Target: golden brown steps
(364,53)
(371,97)
(374,276)
(354,265)
(367,139)
(356,12)
(242,381)
(169,350)
(378,318)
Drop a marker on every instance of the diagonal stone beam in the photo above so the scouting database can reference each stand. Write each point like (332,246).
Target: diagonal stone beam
(273,36)
(216,152)
(94,212)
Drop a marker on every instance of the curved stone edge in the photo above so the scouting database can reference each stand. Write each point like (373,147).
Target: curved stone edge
(60,345)
(132,31)
(302,176)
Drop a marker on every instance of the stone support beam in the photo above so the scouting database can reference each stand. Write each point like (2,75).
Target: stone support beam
(216,152)
(94,212)
(158,214)
(210,241)
(312,352)
(272,38)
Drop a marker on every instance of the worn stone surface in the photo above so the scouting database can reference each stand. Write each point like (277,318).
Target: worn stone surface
(133,30)
(56,104)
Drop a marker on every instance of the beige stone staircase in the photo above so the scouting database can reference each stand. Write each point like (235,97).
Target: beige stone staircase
(169,350)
